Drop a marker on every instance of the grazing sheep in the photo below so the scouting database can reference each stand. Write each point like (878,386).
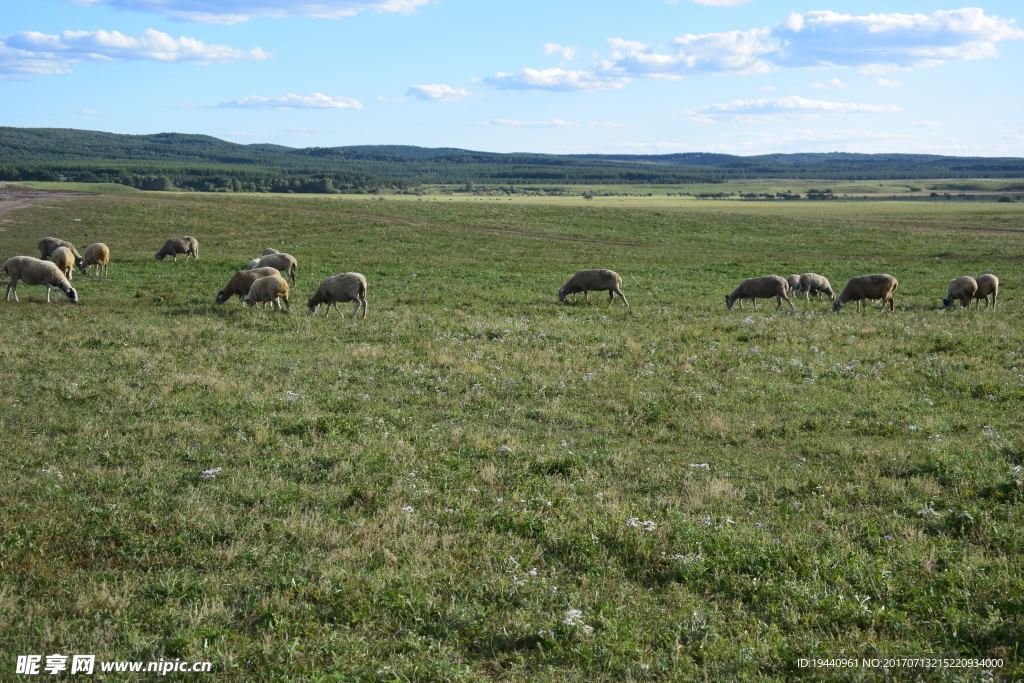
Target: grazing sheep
(794,283)
(812,283)
(987,285)
(755,288)
(593,280)
(269,288)
(241,281)
(95,255)
(63,259)
(285,263)
(867,287)
(962,288)
(339,289)
(270,250)
(48,245)
(180,245)
(33,271)
(255,263)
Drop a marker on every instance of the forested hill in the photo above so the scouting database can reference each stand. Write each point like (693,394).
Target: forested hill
(201,162)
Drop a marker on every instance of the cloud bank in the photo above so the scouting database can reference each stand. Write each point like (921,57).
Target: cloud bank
(875,43)
(292,101)
(34,53)
(235,11)
(437,93)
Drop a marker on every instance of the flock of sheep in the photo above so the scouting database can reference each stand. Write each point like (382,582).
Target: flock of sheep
(863,288)
(266,280)
(261,283)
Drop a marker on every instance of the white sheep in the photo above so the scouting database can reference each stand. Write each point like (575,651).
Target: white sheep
(241,282)
(285,263)
(98,255)
(812,283)
(63,259)
(868,287)
(765,287)
(339,289)
(255,263)
(794,283)
(189,246)
(33,271)
(962,288)
(988,285)
(593,280)
(269,288)
(270,250)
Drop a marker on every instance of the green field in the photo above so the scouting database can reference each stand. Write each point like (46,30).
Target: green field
(428,494)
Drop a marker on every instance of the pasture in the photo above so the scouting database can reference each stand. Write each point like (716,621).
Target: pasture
(477,483)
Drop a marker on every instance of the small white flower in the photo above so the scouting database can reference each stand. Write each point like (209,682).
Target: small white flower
(965,515)
(573,617)
(702,465)
(407,508)
(210,474)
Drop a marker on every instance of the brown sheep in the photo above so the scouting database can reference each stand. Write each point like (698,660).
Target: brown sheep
(962,288)
(593,280)
(755,288)
(241,282)
(95,255)
(868,287)
(189,246)
(339,289)
(988,285)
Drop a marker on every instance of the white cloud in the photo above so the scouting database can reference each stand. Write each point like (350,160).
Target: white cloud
(886,41)
(888,83)
(392,100)
(234,11)
(732,52)
(763,110)
(86,111)
(437,93)
(554,123)
(31,52)
(555,48)
(721,3)
(290,101)
(557,80)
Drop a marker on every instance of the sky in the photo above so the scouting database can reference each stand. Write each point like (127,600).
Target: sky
(558,76)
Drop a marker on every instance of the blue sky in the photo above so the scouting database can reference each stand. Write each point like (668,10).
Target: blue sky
(562,76)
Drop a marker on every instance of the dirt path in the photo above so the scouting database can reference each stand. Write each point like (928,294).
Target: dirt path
(19,198)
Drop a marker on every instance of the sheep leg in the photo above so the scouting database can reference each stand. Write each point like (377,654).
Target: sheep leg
(356,311)
(364,306)
(586,295)
(621,296)
(611,296)
(12,286)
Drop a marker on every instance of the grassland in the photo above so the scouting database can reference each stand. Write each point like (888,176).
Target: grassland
(424,495)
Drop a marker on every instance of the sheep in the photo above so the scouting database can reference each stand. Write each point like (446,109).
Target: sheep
(812,283)
(794,283)
(987,285)
(63,259)
(755,288)
(593,280)
(95,255)
(867,287)
(339,288)
(255,263)
(270,250)
(48,245)
(33,271)
(269,288)
(241,281)
(179,245)
(285,263)
(962,288)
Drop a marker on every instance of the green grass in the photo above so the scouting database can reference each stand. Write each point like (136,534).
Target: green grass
(423,495)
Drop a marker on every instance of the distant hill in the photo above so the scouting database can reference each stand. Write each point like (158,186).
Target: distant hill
(206,163)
